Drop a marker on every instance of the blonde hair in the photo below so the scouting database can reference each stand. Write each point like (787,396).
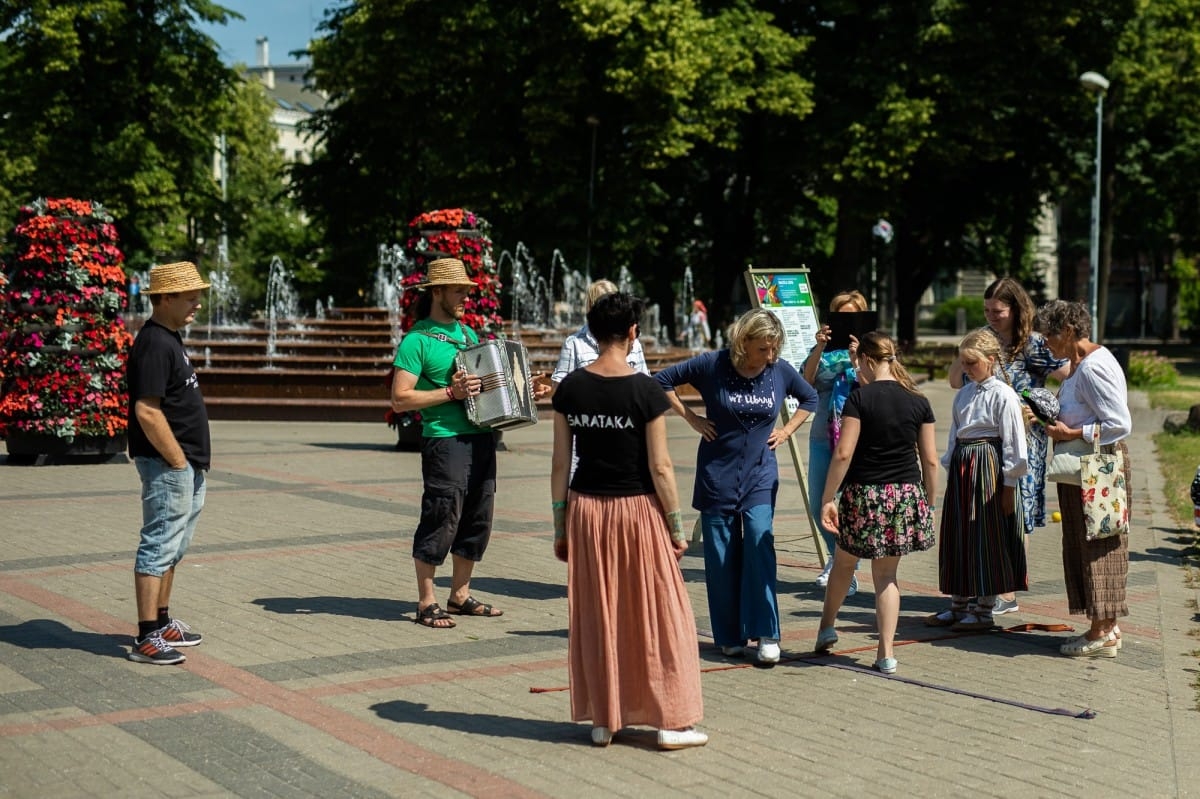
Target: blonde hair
(878,347)
(855,298)
(983,344)
(754,324)
(598,289)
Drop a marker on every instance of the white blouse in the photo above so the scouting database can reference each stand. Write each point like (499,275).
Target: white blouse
(991,409)
(1095,394)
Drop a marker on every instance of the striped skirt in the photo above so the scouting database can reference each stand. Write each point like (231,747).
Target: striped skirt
(632,652)
(1095,571)
(982,549)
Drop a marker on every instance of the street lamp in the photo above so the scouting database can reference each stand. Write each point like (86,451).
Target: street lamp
(1097,83)
(593,123)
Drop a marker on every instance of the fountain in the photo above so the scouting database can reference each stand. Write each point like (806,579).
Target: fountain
(331,366)
(625,280)
(222,297)
(389,291)
(281,303)
(527,288)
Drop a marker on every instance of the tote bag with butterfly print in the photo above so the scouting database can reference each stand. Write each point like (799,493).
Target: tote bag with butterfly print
(1105,498)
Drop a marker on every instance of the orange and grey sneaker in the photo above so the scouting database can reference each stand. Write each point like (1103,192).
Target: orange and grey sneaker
(153,649)
(178,634)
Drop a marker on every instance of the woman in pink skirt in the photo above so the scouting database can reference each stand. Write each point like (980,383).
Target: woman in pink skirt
(632,651)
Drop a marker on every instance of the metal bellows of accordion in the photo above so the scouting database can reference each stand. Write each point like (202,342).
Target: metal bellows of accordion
(505,399)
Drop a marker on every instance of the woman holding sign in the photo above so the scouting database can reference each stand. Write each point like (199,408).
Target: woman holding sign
(830,371)
(737,477)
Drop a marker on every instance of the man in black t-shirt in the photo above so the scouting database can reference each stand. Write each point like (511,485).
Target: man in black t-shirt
(169,443)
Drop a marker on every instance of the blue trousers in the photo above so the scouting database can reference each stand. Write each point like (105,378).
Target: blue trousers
(819,457)
(739,570)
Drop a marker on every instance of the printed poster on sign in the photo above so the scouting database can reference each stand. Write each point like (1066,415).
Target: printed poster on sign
(787,294)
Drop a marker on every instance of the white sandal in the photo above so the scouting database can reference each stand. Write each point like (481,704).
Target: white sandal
(1103,647)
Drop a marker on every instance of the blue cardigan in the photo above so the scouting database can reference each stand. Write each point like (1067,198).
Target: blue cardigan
(736,471)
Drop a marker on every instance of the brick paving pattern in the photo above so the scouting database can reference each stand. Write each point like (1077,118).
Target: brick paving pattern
(313,681)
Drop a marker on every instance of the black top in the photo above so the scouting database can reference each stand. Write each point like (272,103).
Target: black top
(890,419)
(158,366)
(608,417)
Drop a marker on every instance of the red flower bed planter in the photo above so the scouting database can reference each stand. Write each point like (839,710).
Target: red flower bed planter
(63,343)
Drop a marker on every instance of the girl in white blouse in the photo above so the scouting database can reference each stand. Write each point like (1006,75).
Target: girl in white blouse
(981,552)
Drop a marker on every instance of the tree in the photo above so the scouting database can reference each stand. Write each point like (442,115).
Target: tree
(486,105)
(117,100)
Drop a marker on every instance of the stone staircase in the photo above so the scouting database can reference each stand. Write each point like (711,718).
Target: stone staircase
(331,369)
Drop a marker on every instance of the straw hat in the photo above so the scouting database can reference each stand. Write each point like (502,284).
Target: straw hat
(446,272)
(175,278)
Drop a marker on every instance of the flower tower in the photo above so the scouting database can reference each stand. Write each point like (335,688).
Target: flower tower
(63,343)
(455,233)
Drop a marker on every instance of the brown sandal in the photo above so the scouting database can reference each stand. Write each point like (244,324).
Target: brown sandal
(472,607)
(433,616)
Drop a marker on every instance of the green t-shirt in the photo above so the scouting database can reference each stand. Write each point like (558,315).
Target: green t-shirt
(432,361)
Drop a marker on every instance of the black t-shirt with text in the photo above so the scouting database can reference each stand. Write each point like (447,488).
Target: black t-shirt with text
(158,366)
(890,419)
(608,417)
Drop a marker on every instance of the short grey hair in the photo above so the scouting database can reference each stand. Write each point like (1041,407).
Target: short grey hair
(1058,316)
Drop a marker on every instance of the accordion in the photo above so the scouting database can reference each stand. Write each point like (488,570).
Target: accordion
(505,399)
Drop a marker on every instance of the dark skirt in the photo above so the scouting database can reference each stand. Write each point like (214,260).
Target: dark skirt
(982,550)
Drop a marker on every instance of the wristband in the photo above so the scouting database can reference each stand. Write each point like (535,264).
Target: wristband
(450,394)
(675,525)
(559,508)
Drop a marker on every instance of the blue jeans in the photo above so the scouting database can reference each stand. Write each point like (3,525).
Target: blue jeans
(171,503)
(739,569)
(820,456)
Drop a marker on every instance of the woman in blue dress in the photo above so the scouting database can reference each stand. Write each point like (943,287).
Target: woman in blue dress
(737,477)
(1028,363)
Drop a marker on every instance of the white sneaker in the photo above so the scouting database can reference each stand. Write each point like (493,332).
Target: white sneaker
(601,736)
(853,586)
(823,578)
(681,739)
(768,650)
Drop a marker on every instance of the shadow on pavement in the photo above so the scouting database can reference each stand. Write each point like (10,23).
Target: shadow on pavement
(357,607)
(49,634)
(403,712)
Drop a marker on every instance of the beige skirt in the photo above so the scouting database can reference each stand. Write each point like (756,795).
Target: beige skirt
(632,650)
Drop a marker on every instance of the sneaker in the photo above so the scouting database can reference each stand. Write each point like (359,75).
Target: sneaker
(885,665)
(601,736)
(976,620)
(768,650)
(853,586)
(823,578)
(1003,606)
(733,651)
(178,634)
(681,739)
(153,649)
(826,638)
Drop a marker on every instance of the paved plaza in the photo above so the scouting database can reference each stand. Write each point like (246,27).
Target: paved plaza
(312,680)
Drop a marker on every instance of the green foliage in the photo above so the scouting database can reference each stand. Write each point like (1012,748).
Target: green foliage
(1148,368)
(113,100)
(946,315)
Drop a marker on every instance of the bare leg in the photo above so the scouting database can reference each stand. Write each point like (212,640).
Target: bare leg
(152,593)
(839,582)
(460,583)
(887,602)
(425,573)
